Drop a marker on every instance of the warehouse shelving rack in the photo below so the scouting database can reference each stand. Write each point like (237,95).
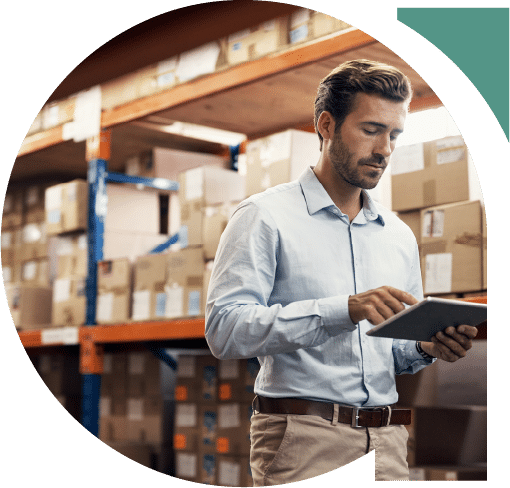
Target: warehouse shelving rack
(297,69)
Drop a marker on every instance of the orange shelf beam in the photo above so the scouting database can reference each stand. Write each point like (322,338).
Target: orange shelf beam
(103,334)
(146,331)
(41,140)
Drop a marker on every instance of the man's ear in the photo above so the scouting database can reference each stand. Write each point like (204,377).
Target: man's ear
(326,125)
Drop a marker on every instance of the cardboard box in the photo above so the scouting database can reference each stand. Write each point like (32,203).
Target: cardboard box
(58,112)
(186,427)
(451,248)
(114,287)
(114,377)
(184,283)
(412,219)
(30,306)
(215,219)
(66,207)
(36,272)
(150,274)
(197,379)
(72,255)
(140,452)
(233,471)
(11,246)
(279,158)
(432,173)
(233,435)
(113,428)
(258,41)
(34,243)
(186,466)
(144,376)
(236,379)
(142,425)
(12,215)
(60,373)
(69,301)
(201,187)
(160,162)
(306,24)
(484,248)
(33,202)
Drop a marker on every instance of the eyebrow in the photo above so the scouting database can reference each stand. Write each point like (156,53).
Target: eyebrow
(382,126)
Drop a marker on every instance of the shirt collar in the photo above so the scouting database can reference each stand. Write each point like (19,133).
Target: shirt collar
(317,198)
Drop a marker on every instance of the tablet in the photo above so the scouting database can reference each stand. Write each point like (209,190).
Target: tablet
(421,321)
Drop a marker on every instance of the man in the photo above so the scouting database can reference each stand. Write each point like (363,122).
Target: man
(303,270)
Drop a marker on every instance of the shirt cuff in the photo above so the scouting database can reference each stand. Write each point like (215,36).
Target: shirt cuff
(334,312)
(414,355)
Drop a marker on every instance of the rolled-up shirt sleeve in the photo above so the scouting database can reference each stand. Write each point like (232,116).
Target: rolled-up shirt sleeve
(241,321)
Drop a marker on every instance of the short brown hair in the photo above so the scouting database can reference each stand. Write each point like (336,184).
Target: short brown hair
(336,92)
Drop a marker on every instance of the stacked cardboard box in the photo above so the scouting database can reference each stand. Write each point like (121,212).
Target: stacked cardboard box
(436,192)
(279,158)
(132,401)
(203,187)
(60,373)
(69,286)
(114,288)
(306,24)
(212,421)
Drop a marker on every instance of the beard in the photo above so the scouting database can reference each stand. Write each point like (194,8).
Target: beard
(350,170)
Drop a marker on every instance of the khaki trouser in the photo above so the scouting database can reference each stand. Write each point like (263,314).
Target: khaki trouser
(288,448)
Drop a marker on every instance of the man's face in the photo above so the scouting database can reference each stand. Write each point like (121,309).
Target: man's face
(360,149)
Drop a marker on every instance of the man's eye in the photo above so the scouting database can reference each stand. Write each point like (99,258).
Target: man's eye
(367,131)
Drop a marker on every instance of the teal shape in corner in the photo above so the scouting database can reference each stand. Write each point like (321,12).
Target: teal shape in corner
(477,41)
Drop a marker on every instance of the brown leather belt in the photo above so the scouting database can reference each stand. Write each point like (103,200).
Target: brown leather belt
(355,416)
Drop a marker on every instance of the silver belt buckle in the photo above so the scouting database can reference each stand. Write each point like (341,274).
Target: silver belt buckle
(355,418)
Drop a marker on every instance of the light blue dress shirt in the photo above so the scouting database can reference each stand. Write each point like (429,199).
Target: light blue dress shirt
(285,267)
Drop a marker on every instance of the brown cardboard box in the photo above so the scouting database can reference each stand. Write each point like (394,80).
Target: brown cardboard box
(69,301)
(114,377)
(113,291)
(484,248)
(142,425)
(186,427)
(66,207)
(233,470)
(60,373)
(451,248)
(215,219)
(12,215)
(58,112)
(306,24)
(197,379)
(186,466)
(201,187)
(33,202)
(412,219)
(279,158)
(184,283)
(149,278)
(72,255)
(35,272)
(34,243)
(258,41)
(30,306)
(432,173)
(140,452)
(11,246)
(233,434)
(113,428)
(236,379)
(143,372)
(160,162)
